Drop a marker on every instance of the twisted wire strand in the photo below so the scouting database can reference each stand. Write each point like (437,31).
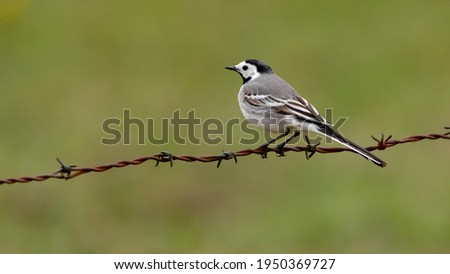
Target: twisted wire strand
(70,171)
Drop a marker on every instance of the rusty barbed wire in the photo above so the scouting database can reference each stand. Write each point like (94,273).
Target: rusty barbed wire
(71,171)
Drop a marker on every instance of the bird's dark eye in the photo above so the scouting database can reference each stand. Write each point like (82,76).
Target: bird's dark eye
(245,68)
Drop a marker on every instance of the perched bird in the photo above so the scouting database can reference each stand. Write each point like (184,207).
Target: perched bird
(270,102)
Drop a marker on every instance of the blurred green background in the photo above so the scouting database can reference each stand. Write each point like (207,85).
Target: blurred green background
(65,66)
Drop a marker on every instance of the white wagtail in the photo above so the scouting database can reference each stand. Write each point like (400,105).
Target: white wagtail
(266,99)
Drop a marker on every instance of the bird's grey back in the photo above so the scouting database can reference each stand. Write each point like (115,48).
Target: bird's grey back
(270,83)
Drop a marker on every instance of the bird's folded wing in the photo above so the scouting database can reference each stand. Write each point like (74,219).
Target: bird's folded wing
(296,106)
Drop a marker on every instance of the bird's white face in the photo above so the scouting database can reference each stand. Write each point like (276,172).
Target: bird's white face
(246,70)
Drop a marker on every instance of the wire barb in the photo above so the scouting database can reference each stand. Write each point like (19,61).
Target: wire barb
(70,171)
(382,143)
(226,156)
(310,148)
(165,156)
(65,170)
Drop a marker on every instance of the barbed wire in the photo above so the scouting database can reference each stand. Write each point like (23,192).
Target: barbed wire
(71,171)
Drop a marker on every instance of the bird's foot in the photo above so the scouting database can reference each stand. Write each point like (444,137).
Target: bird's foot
(265,149)
(280,150)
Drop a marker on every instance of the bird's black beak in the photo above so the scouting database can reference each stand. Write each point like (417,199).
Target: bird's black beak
(231,68)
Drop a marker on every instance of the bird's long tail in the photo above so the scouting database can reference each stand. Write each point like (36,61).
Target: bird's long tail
(328,131)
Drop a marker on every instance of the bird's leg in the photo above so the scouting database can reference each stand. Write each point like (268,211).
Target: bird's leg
(280,147)
(311,149)
(266,145)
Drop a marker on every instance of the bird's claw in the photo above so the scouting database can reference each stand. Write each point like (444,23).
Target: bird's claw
(280,150)
(265,149)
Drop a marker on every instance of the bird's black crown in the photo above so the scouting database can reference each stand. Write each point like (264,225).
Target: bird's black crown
(260,65)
